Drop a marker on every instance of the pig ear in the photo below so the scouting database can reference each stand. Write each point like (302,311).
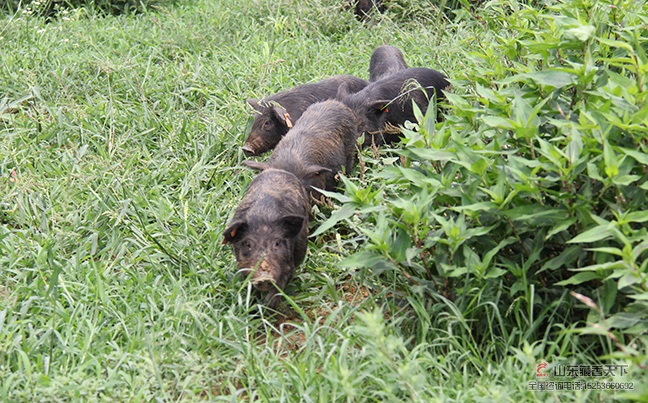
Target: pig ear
(377,108)
(282,114)
(254,103)
(235,231)
(316,170)
(256,165)
(342,92)
(291,225)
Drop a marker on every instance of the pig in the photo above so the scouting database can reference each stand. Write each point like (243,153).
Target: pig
(322,141)
(269,231)
(362,8)
(385,104)
(385,60)
(276,114)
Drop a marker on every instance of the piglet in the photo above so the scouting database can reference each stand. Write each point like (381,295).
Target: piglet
(269,231)
(386,104)
(320,144)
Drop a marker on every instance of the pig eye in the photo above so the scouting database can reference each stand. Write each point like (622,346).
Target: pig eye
(246,249)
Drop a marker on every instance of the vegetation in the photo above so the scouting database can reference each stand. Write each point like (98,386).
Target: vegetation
(511,233)
(52,8)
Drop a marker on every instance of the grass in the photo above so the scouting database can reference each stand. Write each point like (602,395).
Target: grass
(119,168)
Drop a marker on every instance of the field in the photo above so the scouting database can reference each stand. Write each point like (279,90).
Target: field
(509,234)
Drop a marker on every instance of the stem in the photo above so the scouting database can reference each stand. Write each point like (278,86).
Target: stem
(517,236)
(530,143)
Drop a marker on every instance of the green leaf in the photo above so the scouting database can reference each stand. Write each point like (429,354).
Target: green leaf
(566,258)
(478,231)
(639,156)
(624,320)
(432,154)
(335,195)
(479,166)
(611,160)
(368,259)
(343,213)
(417,177)
(458,101)
(489,94)
(552,153)
(636,216)
(497,121)
(495,272)
(616,44)
(489,256)
(625,180)
(535,214)
(418,115)
(608,296)
(593,172)
(608,250)
(554,78)
(627,280)
(639,249)
(603,266)
(597,233)
(483,206)
(430,119)
(456,271)
(561,226)
(580,278)
(574,147)
(582,33)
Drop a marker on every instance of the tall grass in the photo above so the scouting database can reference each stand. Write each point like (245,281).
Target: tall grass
(119,167)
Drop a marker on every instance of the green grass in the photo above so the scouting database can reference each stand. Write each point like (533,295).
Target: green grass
(119,168)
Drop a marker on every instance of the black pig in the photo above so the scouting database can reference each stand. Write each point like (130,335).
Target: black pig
(322,141)
(362,8)
(387,103)
(269,231)
(385,60)
(276,114)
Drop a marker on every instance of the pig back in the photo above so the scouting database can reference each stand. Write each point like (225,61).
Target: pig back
(385,60)
(324,136)
(389,100)
(297,99)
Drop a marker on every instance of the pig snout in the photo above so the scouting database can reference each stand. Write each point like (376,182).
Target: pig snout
(248,150)
(263,279)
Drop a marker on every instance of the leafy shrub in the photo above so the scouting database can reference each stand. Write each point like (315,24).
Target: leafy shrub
(532,191)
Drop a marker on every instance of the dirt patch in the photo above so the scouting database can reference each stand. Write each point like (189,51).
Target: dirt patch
(354,294)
